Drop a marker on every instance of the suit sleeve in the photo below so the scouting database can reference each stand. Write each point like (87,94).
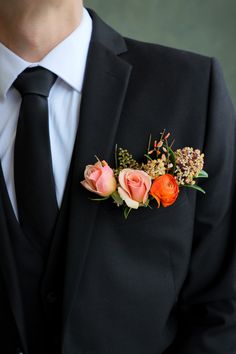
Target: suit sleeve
(207,303)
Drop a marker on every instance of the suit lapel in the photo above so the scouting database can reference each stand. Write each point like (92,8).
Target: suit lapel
(7,263)
(105,85)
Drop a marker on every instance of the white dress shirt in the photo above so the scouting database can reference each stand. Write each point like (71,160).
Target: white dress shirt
(68,61)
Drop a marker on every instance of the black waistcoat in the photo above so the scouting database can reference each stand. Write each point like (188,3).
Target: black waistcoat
(39,276)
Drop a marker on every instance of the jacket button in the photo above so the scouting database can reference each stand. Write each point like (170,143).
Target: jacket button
(51,297)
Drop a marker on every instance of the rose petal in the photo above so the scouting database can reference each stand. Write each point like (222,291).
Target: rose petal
(123,179)
(136,183)
(107,169)
(137,192)
(106,184)
(86,185)
(129,202)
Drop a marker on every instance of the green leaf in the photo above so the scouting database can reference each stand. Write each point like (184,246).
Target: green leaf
(146,204)
(149,206)
(116,158)
(172,159)
(202,174)
(127,211)
(99,199)
(148,157)
(194,186)
(149,143)
(116,197)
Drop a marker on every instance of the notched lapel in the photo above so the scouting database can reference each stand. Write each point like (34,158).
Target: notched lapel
(103,95)
(8,266)
(104,91)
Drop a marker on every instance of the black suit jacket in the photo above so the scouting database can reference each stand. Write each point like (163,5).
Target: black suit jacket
(162,281)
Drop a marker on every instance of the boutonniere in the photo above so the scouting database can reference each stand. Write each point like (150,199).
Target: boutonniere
(159,179)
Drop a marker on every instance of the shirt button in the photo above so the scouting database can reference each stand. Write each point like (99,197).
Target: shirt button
(51,297)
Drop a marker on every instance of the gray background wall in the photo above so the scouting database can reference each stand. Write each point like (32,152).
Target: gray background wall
(203,26)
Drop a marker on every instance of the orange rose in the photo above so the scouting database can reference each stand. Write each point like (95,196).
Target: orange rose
(165,190)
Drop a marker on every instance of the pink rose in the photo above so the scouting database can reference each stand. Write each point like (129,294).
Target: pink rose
(99,178)
(134,187)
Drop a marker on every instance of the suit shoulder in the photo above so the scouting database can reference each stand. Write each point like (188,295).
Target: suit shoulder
(153,55)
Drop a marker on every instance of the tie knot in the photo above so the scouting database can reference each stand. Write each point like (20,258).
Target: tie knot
(37,81)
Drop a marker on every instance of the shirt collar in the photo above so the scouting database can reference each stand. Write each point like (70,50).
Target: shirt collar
(67,60)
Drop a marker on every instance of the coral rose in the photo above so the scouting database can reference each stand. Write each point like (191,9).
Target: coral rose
(99,178)
(134,187)
(165,190)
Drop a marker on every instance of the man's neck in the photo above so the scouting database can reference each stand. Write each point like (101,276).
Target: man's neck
(31,29)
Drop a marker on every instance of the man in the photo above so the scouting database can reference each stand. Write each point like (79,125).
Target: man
(75,278)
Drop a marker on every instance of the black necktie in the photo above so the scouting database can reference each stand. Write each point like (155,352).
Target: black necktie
(34,181)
